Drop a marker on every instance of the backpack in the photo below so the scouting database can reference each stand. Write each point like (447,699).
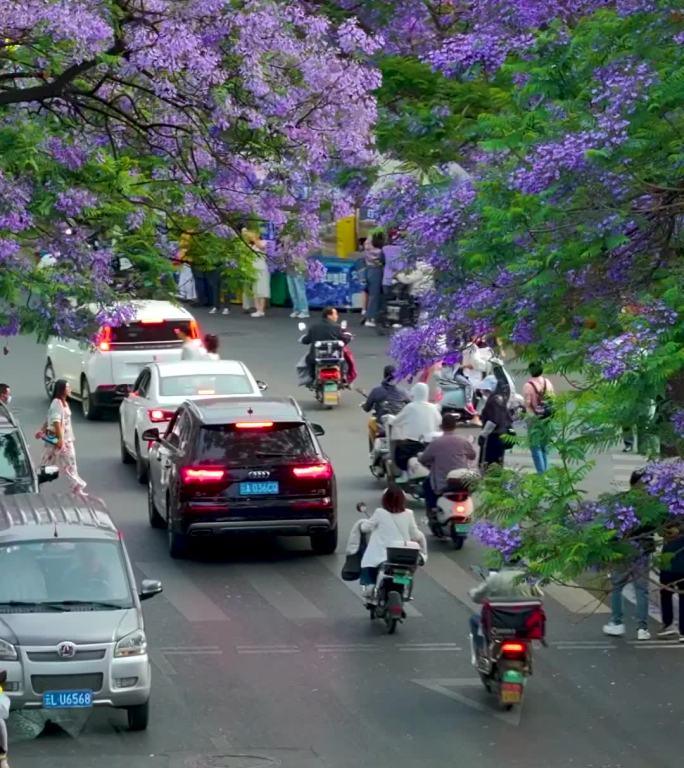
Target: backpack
(544,407)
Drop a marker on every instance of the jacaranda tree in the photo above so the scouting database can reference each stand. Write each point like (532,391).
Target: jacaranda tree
(122,120)
(565,241)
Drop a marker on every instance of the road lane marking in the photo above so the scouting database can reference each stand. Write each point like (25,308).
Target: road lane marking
(266,651)
(183,595)
(451,577)
(445,686)
(279,592)
(334,565)
(160,661)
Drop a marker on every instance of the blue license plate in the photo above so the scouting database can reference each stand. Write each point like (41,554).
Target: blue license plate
(259,489)
(67,699)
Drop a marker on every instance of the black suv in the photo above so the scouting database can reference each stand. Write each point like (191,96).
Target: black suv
(236,464)
(17,473)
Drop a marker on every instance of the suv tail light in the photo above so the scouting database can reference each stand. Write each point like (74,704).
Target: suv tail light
(104,338)
(201,475)
(157,415)
(193,330)
(313,472)
(330,374)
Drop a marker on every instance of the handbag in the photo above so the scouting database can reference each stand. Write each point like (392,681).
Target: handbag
(351,570)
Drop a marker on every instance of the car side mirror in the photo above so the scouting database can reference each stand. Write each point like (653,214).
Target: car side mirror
(343,325)
(48,474)
(263,386)
(149,588)
(151,435)
(318,430)
(301,326)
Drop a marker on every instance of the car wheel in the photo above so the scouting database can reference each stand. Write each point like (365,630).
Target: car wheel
(324,543)
(49,378)
(178,544)
(90,411)
(138,716)
(140,465)
(156,520)
(126,457)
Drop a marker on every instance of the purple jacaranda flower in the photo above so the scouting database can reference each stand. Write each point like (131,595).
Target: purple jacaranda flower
(506,541)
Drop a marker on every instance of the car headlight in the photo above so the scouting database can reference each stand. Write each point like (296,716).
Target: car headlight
(7,651)
(133,644)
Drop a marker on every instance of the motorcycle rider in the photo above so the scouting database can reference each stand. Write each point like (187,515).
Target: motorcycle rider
(326,329)
(386,398)
(414,425)
(506,585)
(444,454)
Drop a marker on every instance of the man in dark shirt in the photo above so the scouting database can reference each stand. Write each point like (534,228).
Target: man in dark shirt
(325,330)
(387,397)
(443,455)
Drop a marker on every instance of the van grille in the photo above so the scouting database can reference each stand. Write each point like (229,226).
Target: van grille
(89,655)
(42,683)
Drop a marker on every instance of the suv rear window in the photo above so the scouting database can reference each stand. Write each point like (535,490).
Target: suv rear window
(229,445)
(149,333)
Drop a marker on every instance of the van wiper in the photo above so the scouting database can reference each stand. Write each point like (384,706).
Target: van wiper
(99,603)
(32,604)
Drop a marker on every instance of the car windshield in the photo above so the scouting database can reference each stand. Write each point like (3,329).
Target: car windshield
(14,463)
(61,572)
(205,384)
(229,445)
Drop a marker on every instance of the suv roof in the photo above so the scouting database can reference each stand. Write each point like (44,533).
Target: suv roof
(30,516)
(222,410)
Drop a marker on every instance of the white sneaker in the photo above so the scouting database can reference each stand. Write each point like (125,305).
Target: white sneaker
(643,634)
(614,630)
(370,323)
(225,311)
(668,633)
(303,315)
(294,314)
(258,314)
(213,310)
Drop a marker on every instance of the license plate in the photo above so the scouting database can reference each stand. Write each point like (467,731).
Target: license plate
(259,489)
(511,693)
(401,579)
(330,396)
(462,527)
(67,699)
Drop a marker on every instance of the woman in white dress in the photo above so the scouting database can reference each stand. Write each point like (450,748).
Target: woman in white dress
(261,288)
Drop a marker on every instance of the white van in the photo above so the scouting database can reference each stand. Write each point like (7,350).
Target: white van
(102,372)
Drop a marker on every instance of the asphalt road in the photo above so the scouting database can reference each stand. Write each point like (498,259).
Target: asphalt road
(264,657)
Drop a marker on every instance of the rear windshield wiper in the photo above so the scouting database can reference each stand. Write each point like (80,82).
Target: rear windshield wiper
(32,604)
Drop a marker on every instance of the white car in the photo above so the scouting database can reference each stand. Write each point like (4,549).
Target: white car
(101,373)
(162,387)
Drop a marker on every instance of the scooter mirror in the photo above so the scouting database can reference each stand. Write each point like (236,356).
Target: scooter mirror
(343,325)
(361,508)
(301,326)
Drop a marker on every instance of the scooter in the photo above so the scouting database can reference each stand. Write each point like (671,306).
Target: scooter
(453,514)
(329,368)
(394,583)
(503,657)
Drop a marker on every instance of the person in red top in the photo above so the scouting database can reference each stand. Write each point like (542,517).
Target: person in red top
(537,392)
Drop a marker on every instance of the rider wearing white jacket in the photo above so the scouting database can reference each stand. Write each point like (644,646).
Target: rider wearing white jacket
(419,419)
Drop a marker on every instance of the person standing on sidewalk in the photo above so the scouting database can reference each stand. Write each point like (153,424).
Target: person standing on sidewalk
(537,393)
(637,572)
(672,583)
(375,268)
(296,285)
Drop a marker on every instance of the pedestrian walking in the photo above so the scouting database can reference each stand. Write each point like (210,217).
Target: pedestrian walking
(296,285)
(375,267)
(497,425)
(192,349)
(635,571)
(211,345)
(672,583)
(58,436)
(5,394)
(537,393)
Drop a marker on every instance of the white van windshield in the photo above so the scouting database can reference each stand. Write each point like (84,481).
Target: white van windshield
(60,574)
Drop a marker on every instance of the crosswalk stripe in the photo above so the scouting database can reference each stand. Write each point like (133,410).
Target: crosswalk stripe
(183,595)
(280,593)
(334,565)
